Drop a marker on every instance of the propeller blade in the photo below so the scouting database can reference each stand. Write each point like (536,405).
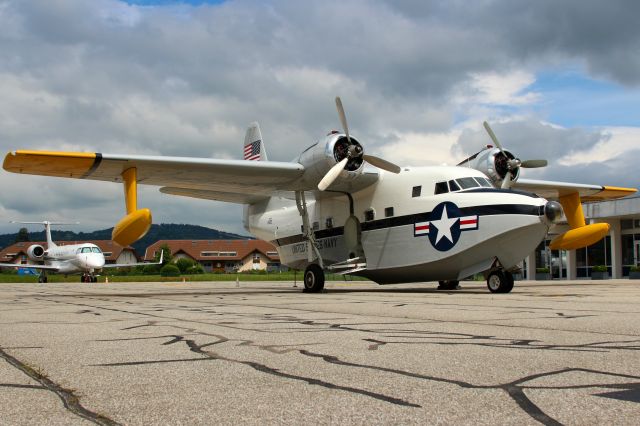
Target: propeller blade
(332,174)
(343,118)
(506,183)
(532,164)
(381,164)
(493,137)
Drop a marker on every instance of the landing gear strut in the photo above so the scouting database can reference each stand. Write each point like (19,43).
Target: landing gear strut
(313,278)
(500,281)
(449,285)
(88,278)
(42,278)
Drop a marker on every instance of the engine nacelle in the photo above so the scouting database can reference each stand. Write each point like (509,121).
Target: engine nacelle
(318,159)
(493,163)
(35,252)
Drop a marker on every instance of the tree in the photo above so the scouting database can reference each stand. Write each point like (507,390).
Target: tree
(184,264)
(170,271)
(23,235)
(167,257)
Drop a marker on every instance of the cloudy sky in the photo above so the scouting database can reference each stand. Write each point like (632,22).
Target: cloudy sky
(557,79)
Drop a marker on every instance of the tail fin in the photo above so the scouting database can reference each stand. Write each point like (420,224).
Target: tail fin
(47,229)
(253,144)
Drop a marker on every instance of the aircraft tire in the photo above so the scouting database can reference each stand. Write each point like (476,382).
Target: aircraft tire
(500,281)
(448,285)
(313,279)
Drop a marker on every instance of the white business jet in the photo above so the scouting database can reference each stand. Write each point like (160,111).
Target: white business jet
(328,211)
(86,258)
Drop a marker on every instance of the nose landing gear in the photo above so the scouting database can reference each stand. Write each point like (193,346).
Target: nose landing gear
(500,281)
(313,278)
(88,278)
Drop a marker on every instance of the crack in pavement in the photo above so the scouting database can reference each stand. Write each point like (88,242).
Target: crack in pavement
(70,401)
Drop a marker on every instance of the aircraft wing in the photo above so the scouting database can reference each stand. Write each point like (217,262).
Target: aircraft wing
(29,266)
(226,180)
(554,190)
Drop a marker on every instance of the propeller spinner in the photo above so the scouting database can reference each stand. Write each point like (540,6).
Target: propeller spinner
(353,152)
(512,164)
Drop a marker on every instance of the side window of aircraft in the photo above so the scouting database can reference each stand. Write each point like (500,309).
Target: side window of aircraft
(95,250)
(453,186)
(466,183)
(86,249)
(388,211)
(328,223)
(369,214)
(483,182)
(79,251)
(417,190)
(441,188)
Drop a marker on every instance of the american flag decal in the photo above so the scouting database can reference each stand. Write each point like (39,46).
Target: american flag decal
(252,150)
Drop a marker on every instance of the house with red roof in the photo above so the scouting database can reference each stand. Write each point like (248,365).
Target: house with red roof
(222,255)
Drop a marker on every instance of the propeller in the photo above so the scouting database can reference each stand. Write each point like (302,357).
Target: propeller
(512,163)
(353,152)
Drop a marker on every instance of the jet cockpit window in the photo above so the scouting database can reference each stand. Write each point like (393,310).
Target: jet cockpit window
(453,186)
(86,249)
(466,183)
(441,188)
(95,250)
(79,250)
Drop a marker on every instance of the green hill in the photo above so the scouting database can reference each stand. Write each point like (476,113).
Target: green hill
(164,231)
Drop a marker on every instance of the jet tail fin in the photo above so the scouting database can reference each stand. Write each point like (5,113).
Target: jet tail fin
(253,144)
(47,228)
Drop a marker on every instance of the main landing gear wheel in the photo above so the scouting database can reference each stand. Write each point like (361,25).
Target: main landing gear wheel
(42,279)
(500,281)
(313,278)
(448,285)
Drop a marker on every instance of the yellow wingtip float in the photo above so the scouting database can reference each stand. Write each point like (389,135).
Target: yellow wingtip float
(581,235)
(136,223)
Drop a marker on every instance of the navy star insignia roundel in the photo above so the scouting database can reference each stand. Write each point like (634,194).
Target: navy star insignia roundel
(445,225)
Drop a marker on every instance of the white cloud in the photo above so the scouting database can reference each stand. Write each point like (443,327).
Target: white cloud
(616,141)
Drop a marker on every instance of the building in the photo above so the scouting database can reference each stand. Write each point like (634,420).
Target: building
(113,252)
(222,255)
(618,251)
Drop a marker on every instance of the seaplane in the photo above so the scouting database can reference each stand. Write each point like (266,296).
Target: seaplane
(336,208)
(85,259)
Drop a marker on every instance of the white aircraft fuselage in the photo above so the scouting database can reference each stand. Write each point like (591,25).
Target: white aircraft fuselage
(410,234)
(74,258)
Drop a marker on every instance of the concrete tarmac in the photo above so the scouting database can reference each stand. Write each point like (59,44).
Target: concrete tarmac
(265,353)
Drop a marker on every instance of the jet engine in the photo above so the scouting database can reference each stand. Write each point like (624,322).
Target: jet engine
(35,252)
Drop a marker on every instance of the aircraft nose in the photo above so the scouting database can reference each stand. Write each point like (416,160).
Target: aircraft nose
(95,262)
(553,211)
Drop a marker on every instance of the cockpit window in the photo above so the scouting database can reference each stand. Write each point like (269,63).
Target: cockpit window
(466,183)
(484,182)
(95,250)
(441,188)
(79,251)
(86,249)
(453,186)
